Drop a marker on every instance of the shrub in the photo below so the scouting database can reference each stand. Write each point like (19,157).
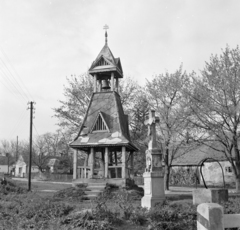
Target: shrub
(24,212)
(86,221)
(139,216)
(99,218)
(175,216)
(72,194)
(232,206)
(11,187)
(125,203)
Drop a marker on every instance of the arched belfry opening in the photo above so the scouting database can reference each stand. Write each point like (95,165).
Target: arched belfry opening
(104,134)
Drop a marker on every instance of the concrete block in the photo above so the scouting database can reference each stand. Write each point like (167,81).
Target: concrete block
(201,196)
(215,195)
(210,216)
(219,195)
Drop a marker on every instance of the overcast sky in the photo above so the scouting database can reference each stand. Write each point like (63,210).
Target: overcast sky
(43,42)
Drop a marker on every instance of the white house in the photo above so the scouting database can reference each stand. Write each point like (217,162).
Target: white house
(21,167)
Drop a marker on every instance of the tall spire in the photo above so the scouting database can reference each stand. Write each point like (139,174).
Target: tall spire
(106,35)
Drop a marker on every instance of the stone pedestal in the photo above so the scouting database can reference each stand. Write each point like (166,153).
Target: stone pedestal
(153,176)
(153,189)
(215,195)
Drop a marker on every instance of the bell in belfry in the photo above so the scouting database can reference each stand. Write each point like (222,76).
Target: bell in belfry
(105,85)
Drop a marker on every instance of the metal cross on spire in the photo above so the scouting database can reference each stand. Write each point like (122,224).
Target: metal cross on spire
(106,27)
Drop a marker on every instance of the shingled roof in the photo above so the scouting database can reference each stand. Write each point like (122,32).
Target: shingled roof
(108,104)
(195,156)
(113,64)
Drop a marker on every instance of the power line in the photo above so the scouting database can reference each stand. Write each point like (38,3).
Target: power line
(9,89)
(16,126)
(36,130)
(12,84)
(16,72)
(12,77)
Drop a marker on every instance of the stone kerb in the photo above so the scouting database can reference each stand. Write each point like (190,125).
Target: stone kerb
(210,196)
(210,216)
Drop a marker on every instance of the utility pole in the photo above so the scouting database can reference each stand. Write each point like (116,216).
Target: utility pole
(17,150)
(7,154)
(30,146)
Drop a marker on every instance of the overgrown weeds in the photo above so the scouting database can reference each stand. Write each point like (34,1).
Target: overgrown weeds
(114,207)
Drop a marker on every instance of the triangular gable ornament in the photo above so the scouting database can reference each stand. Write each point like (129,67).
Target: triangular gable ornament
(102,62)
(100,124)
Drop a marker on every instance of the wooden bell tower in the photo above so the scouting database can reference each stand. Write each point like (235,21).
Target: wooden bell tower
(106,69)
(104,133)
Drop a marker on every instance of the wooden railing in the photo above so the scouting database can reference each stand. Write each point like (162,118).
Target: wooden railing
(83,171)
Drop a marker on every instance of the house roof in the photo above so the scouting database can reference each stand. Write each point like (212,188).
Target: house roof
(24,158)
(107,103)
(3,160)
(195,156)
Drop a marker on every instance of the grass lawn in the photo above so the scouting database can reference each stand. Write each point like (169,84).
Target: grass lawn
(39,187)
(43,185)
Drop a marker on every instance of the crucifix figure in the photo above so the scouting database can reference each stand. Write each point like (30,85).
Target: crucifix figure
(151,123)
(153,155)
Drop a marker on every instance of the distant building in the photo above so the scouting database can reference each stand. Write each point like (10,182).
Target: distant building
(4,165)
(211,170)
(21,167)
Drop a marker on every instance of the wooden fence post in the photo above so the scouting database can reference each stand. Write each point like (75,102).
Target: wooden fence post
(210,217)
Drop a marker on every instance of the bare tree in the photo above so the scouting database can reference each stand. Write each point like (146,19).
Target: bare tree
(215,104)
(165,95)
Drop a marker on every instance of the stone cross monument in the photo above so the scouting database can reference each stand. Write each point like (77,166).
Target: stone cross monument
(153,175)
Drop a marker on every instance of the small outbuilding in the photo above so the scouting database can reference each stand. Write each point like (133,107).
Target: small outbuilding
(21,167)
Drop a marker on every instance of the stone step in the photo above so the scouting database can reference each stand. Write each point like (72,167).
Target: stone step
(98,184)
(92,186)
(90,196)
(94,189)
(93,192)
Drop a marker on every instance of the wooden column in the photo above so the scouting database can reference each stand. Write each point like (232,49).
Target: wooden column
(106,162)
(95,83)
(117,84)
(123,162)
(91,163)
(132,171)
(112,81)
(99,86)
(75,152)
(115,161)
